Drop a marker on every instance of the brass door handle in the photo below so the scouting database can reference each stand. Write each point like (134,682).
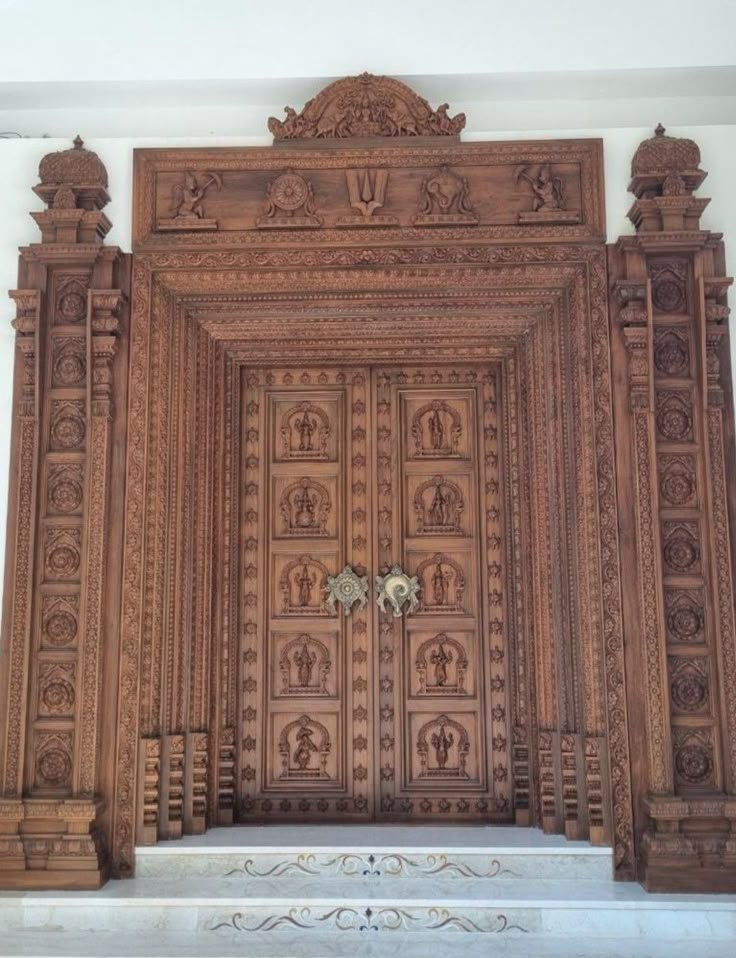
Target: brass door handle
(395,588)
(347,588)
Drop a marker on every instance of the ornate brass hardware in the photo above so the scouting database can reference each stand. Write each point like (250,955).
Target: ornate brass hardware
(347,587)
(395,588)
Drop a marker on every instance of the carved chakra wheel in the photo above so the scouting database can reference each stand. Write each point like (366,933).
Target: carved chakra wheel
(347,588)
(289,191)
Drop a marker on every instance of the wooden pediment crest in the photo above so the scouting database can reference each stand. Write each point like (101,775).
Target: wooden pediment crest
(366,106)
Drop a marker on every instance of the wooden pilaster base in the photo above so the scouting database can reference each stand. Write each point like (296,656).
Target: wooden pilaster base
(47,843)
(691,846)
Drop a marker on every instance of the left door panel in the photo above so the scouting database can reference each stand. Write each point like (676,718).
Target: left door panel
(305,686)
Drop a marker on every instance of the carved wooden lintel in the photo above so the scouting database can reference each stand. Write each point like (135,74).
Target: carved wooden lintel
(401,190)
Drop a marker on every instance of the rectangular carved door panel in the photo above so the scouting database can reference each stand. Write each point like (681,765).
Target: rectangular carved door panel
(306,685)
(442,717)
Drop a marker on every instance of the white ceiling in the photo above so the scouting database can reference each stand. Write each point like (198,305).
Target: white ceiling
(94,40)
(184,67)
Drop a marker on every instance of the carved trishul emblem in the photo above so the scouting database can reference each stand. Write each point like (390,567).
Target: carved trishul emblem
(367,193)
(395,589)
(347,588)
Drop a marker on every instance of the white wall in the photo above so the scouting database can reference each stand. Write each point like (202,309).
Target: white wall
(224,39)
(19,161)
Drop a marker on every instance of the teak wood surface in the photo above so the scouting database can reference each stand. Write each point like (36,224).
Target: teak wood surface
(371,345)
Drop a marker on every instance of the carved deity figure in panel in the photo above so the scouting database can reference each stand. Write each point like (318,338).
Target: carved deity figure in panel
(305,662)
(440,659)
(306,581)
(305,427)
(443,745)
(304,746)
(305,666)
(304,431)
(188,196)
(547,190)
(441,664)
(440,512)
(441,578)
(443,585)
(305,506)
(436,429)
(302,584)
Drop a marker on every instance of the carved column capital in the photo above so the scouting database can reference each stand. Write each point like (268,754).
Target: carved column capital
(25,324)
(714,336)
(105,321)
(631,294)
(106,306)
(636,340)
(715,288)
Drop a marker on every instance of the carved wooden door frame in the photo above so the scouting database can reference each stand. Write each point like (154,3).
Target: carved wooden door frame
(370,229)
(516,307)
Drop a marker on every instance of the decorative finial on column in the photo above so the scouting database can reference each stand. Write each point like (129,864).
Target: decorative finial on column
(665,172)
(73,185)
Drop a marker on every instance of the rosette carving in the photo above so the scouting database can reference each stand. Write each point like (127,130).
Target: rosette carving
(53,759)
(59,620)
(65,487)
(69,361)
(62,553)
(68,423)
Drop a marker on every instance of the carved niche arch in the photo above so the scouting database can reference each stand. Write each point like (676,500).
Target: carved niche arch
(305,506)
(297,432)
(458,662)
(437,442)
(297,756)
(444,743)
(441,517)
(320,666)
(443,584)
(302,583)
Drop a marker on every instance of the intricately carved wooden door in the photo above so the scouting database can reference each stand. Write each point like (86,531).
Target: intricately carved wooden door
(348,712)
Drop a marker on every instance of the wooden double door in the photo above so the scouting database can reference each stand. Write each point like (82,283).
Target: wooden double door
(360,713)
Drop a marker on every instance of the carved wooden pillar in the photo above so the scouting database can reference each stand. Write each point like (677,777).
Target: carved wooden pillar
(637,332)
(669,309)
(58,633)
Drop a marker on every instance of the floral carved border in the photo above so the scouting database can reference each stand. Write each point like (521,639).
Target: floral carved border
(200,284)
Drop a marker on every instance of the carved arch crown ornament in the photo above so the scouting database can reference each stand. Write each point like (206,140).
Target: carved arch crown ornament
(341,365)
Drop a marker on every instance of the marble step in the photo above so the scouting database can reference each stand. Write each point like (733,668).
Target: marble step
(229,910)
(388,852)
(51,944)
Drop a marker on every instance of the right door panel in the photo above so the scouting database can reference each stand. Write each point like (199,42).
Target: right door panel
(442,742)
